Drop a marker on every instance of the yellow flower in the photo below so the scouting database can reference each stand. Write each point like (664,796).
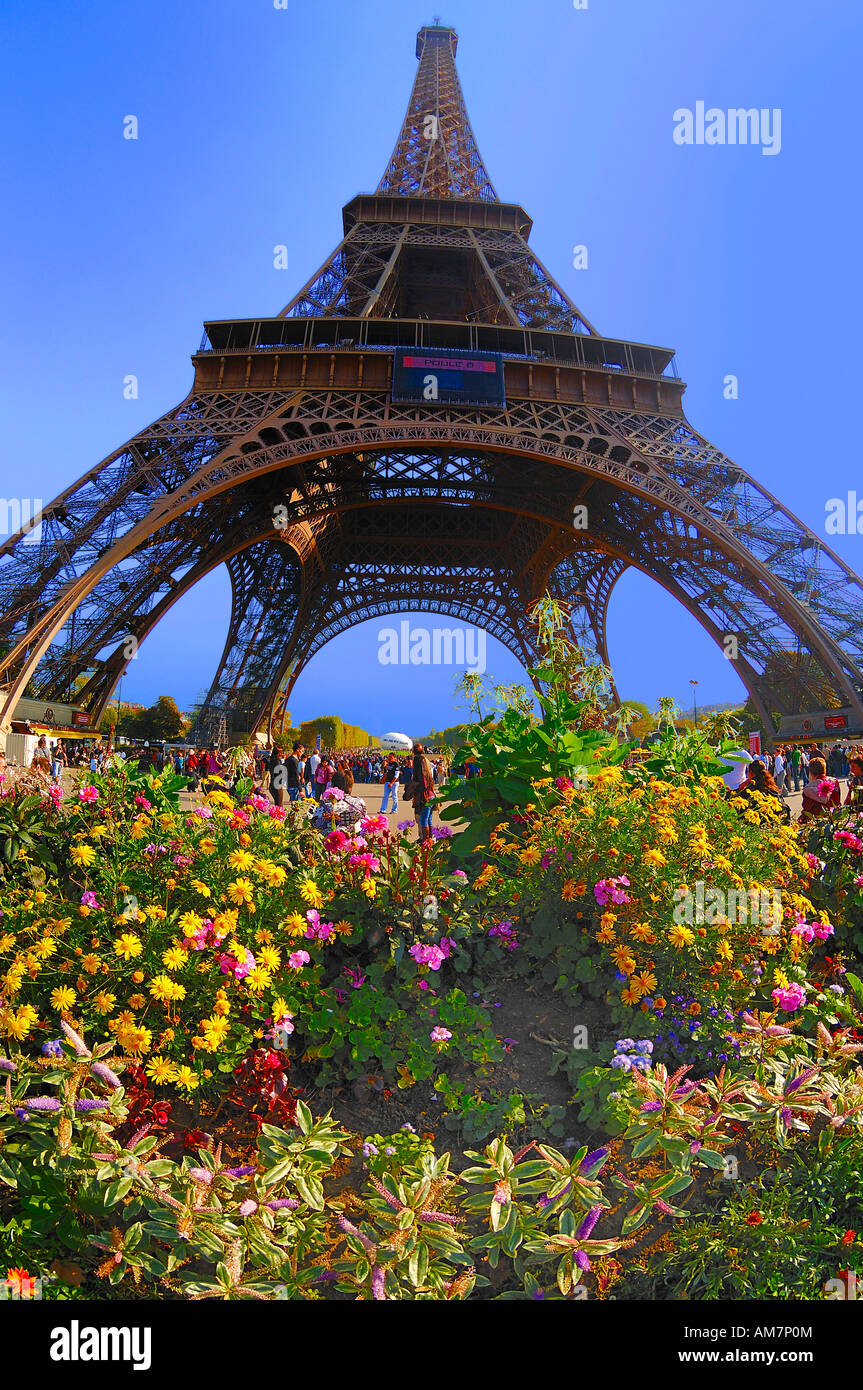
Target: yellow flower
(369,886)
(241,859)
(90,963)
(623,959)
(680,935)
(569,890)
(241,891)
(270,956)
(295,924)
(128,945)
(343,928)
(630,995)
(63,997)
(82,855)
(156,913)
(185,1077)
(311,893)
(207,845)
(161,987)
(725,951)
(137,1001)
(45,948)
(104,1001)
(160,1070)
(174,958)
(134,1038)
(642,931)
(654,857)
(646,981)
(201,888)
(530,855)
(190,923)
(258,979)
(7,942)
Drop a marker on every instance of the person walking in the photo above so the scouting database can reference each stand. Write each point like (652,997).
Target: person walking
(59,761)
(795,760)
(279,776)
(779,769)
(295,772)
(423,792)
(313,762)
(391,786)
(323,776)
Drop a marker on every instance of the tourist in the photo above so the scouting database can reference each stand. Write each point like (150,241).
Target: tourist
(758,779)
(779,769)
(423,792)
(58,761)
(855,780)
(41,761)
(313,762)
(795,762)
(212,764)
(820,793)
(294,767)
(391,786)
(738,760)
(323,776)
(279,776)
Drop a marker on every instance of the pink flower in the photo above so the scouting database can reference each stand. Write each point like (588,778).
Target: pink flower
(297,959)
(88,795)
(609,888)
(229,965)
(858,882)
(336,841)
(790,997)
(356,977)
(440,1035)
(247,1207)
(142,802)
(374,825)
(285,1023)
(277,812)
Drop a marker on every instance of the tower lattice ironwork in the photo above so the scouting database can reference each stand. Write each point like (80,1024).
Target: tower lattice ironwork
(332,497)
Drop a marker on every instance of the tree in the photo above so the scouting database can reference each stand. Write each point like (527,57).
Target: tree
(161,722)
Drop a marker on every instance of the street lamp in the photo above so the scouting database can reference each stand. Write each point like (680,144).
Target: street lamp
(694,701)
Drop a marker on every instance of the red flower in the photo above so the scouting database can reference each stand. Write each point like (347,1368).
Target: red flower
(848,1238)
(754,1218)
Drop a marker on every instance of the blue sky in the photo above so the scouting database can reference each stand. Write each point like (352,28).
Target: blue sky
(257,124)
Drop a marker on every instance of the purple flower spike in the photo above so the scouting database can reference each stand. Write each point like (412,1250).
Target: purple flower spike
(42,1103)
(592,1162)
(81,1106)
(105,1074)
(588,1223)
(8,1066)
(75,1039)
(240,1172)
(378,1292)
(581,1260)
(283,1204)
(652,1105)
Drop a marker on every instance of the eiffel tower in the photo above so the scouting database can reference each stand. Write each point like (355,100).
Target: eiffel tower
(431,423)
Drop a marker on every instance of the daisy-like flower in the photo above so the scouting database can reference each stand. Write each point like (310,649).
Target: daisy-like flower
(241,891)
(270,957)
(88,795)
(128,945)
(161,987)
(679,935)
(186,1079)
(311,894)
(174,958)
(104,1001)
(63,998)
(160,1070)
(82,855)
(241,859)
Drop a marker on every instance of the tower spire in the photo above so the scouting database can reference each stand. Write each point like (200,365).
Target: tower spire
(436,155)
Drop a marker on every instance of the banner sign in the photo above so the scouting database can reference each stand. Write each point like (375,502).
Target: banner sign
(453,378)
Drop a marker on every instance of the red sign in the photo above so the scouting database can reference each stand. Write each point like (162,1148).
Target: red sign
(835,721)
(81,717)
(755,744)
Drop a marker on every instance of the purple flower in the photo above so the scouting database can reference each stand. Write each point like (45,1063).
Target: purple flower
(283,1204)
(42,1103)
(8,1066)
(592,1162)
(81,1106)
(652,1105)
(587,1225)
(104,1073)
(89,899)
(75,1039)
(240,1172)
(52,1049)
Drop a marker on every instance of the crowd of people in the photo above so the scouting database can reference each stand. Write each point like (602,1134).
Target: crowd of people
(817,774)
(287,776)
